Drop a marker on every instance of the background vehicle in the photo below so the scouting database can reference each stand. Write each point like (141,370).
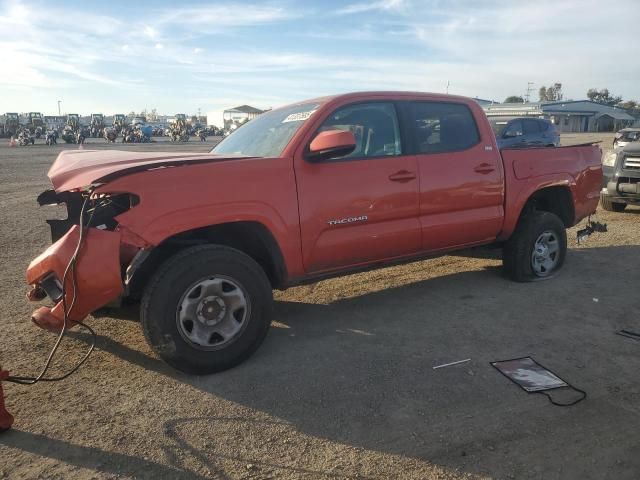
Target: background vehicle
(51,137)
(97,125)
(525,132)
(110,135)
(25,137)
(119,122)
(621,183)
(35,124)
(11,124)
(626,136)
(139,120)
(344,185)
(70,133)
(179,129)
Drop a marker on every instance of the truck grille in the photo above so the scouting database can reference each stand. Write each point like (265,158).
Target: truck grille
(632,163)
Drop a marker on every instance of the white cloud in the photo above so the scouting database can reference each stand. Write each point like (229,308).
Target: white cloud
(215,18)
(159,46)
(150,32)
(383,5)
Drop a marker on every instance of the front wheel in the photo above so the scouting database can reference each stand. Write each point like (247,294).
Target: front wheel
(537,249)
(207,309)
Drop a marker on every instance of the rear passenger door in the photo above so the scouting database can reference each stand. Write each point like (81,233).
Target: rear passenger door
(461,179)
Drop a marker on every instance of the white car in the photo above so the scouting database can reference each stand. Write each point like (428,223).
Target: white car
(626,136)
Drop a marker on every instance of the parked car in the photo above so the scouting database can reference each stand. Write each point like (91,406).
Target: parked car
(621,183)
(626,136)
(525,132)
(346,183)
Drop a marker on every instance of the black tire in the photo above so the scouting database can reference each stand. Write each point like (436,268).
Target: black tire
(166,288)
(610,206)
(518,251)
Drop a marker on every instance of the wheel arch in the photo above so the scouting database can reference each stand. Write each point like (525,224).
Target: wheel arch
(556,199)
(250,237)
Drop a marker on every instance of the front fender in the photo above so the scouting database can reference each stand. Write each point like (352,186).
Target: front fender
(97,272)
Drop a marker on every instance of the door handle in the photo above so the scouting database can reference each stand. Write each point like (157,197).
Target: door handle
(484,168)
(402,176)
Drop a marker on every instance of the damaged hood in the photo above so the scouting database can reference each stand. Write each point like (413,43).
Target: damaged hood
(75,169)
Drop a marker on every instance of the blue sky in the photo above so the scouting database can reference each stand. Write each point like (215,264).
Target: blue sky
(175,56)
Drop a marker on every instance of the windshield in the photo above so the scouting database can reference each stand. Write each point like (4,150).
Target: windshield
(498,125)
(268,134)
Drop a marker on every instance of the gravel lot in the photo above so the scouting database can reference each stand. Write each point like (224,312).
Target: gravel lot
(343,387)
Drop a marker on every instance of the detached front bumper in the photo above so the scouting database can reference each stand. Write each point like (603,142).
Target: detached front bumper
(623,186)
(98,278)
(621,182)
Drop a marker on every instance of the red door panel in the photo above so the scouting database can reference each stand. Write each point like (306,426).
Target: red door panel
(357,211)
(461,198)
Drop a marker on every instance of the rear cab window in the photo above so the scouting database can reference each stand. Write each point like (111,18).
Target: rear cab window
(438,127)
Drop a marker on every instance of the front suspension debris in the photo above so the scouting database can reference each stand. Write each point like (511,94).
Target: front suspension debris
(590,228)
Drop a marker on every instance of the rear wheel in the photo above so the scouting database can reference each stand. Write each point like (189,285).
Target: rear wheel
(611,206)
(207,309)
(537,248)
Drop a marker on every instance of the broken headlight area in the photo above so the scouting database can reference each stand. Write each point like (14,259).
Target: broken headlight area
(101,210)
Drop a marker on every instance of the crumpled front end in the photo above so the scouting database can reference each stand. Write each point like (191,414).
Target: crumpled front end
(103,255)
(95,281)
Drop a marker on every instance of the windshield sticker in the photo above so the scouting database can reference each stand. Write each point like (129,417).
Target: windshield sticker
(299,117)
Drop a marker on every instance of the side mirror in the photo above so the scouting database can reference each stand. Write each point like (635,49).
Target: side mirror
(331,144)
(510,134)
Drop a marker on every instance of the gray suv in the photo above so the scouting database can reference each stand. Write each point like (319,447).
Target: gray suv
(524,132)
(621,182)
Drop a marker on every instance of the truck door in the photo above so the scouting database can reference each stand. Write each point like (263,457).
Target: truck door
(362,207)
(461,175)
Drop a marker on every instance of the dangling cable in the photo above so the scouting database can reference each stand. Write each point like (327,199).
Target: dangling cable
(71,267)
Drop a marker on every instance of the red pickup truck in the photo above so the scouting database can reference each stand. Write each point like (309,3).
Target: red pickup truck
(316,189)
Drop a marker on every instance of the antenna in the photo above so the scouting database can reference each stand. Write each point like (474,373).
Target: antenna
(529,89)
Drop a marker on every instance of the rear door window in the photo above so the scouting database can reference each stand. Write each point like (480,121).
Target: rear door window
(438,127)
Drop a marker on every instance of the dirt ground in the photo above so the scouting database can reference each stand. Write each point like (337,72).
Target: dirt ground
(343,386)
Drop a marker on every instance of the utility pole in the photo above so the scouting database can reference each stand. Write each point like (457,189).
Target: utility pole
(59,102)
(448,83)
(529,89)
